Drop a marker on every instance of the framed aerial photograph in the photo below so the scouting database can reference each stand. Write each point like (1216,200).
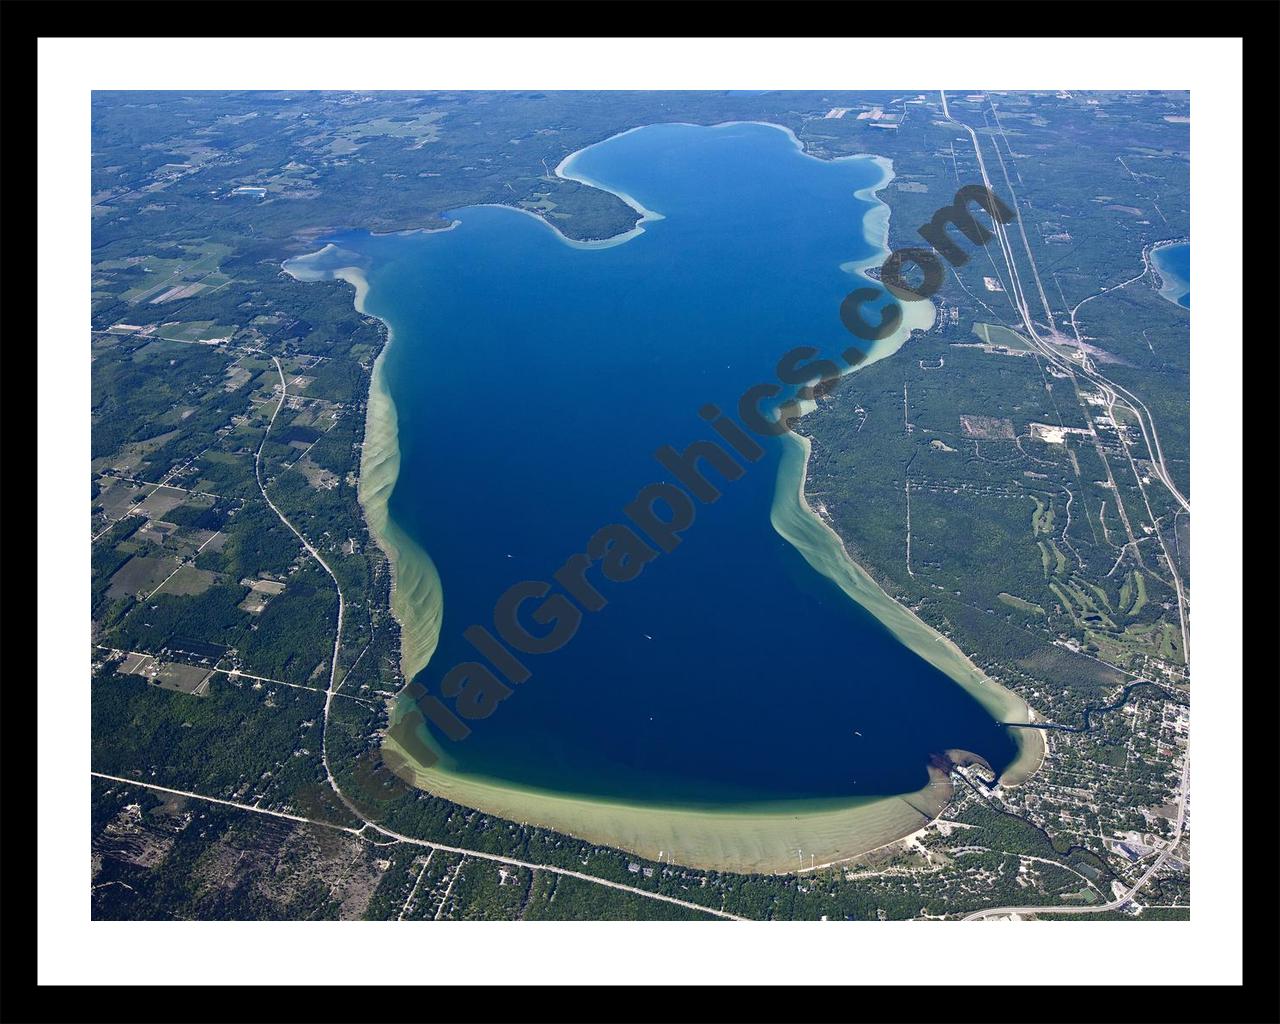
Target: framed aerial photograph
(642,482)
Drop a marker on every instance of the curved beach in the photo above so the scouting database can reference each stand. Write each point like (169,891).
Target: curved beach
(751,837)
(825,550)
(417,595)
(1173,284)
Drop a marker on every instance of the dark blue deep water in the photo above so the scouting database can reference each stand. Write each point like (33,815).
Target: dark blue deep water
(533,383)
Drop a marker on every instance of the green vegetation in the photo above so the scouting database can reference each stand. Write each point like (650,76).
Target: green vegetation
(1021,605)
(190,309)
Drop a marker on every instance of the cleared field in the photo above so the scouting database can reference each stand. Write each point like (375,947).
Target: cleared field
(253,602)
(134,664)
(991,428)
(1020,604)
(170,675)
(422,129)
(237,377)
(156,531)
(144,278)
(181,291)
(206,331)
(994,334)
(317,476)
(162,501)
(129,456)
(141,574)
(190,580)
(269,587)
(167,675)
(117,497)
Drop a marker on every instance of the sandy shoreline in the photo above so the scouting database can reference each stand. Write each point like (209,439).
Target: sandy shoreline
(759,838)
(1171,285)
(825,550)
(753,838)
(417,595)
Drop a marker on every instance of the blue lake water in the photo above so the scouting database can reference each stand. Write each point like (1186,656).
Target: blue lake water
(1174,264)
(534,382)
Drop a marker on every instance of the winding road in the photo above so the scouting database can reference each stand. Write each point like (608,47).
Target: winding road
(337,639)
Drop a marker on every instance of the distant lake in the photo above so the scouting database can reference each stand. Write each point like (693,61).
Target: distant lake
(533,381)
(1174,264)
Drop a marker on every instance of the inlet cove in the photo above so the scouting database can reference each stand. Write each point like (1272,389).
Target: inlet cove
(728,689)
(1173,264)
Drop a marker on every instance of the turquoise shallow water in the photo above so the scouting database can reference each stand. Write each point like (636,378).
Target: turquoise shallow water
(1174,264)
(534,381)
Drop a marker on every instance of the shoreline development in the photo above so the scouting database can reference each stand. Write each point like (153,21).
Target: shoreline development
(761,837)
